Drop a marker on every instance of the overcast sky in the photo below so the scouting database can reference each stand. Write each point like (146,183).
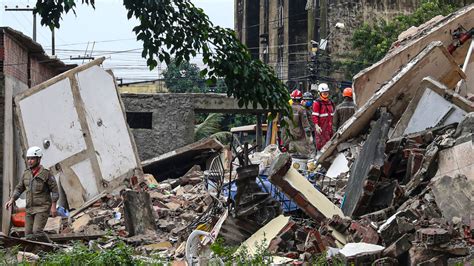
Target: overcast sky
(108,27)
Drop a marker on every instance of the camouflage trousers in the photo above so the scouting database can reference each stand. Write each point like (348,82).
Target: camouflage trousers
(35,222)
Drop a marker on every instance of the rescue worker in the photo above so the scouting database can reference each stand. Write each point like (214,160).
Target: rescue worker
(345,110)
(41,194)
(299,130)
(308,101)
(323,112)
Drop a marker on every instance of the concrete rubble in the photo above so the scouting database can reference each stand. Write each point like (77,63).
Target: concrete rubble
(394,186)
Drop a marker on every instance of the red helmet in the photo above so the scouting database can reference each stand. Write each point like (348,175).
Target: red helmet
(347,92)
(296,95)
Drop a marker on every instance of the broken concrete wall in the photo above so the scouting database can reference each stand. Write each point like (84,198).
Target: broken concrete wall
(458,160)
(371,79)
(433,105)
(453,196)
(13,163)
(164,122)
(396,95)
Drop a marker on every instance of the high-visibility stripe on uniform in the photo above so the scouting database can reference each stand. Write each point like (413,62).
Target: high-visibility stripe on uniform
(316,114)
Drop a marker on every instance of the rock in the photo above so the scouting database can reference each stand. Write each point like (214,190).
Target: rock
(80,223)
(159,246)
(26,257)
(173,206)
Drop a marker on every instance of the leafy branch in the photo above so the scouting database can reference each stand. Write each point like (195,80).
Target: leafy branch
(178,29)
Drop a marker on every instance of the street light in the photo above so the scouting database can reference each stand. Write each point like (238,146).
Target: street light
(324,42)
(315,65)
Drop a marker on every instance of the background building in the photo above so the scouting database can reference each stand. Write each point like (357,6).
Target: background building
(279,32)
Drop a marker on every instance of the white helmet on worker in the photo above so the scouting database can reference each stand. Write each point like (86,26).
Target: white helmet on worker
(323,87)
(34,151)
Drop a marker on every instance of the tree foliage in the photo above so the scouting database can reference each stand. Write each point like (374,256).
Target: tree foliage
(371,42)
(184,77)
(177,28)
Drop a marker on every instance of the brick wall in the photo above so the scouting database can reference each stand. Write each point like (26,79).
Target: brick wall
(40,73)
(16,59)
(2,114)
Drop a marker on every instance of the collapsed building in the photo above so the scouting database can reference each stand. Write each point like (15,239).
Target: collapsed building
(393,186)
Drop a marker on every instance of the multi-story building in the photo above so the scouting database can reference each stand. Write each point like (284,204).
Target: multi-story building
(279,32)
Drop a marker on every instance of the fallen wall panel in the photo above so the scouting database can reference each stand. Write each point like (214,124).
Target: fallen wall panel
(77,118)
(433,105)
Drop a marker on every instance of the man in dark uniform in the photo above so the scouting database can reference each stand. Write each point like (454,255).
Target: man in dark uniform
(41,194)
(345,110)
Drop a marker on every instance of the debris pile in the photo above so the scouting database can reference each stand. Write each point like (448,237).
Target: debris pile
(394,186)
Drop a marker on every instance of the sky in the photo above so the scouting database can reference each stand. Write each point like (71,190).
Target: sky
(106,25)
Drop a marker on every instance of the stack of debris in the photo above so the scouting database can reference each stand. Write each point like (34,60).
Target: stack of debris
(398,187)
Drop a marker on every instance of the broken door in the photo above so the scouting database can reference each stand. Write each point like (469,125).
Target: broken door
(78,120)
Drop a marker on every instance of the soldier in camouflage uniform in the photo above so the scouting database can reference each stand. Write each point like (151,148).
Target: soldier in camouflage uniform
(298,138)
(41,193)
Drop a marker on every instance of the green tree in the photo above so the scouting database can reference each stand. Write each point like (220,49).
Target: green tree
(371,42)
(184,77)
(177,28)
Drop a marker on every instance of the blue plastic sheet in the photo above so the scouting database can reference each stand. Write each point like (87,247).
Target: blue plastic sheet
(286,204)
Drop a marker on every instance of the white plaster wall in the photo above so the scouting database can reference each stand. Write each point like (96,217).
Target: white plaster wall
(50,114)
(106,122)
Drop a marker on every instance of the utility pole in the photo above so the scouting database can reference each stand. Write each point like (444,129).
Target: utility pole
(52,42)
(34,17)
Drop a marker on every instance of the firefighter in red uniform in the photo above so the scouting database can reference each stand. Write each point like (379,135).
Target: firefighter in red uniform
(323,112)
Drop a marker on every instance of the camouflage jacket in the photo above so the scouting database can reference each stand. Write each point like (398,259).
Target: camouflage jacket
(40,190)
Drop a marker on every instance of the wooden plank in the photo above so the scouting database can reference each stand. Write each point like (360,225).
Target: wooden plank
(369,80)
(74,236)
(434,61)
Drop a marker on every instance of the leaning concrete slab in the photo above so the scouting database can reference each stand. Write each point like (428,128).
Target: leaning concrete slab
(176,163)
(434,61)
(78,119)
(433,105)
(367,169)
(300,190)
(264,235)
(370,80)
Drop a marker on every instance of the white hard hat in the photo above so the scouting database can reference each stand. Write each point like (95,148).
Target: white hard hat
(34,152)
(323,87)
